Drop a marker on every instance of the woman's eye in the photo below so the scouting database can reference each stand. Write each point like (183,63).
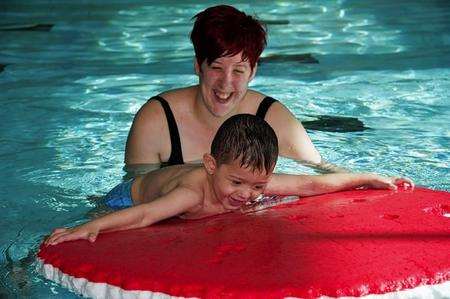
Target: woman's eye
(236,182)
(258,187)
(239,71)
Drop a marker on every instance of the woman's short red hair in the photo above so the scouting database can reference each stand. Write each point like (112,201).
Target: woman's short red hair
(225,31)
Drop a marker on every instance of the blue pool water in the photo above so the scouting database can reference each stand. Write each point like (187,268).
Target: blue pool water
(68,95)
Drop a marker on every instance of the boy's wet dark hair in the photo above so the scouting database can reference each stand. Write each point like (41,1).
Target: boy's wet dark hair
(247,138)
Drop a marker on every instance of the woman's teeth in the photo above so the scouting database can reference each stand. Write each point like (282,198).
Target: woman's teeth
(222,96)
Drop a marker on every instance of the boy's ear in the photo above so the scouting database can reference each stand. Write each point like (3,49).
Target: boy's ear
(209,163)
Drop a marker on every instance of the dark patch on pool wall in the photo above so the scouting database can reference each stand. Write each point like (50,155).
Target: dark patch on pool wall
(26,27)
(301,58)
(15,279)
(2,67)
(275,22)
(340,124)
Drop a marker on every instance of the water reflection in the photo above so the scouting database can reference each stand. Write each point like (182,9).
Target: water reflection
(69,94)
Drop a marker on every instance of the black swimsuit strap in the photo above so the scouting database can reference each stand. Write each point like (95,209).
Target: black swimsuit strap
(176,155)
(264,106)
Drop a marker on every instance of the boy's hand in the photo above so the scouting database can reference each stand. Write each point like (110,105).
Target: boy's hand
(381,182)
(60,235)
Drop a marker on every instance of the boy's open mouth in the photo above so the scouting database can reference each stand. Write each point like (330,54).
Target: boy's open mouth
(235,203)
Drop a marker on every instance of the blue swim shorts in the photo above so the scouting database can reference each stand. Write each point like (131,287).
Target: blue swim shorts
(120,196)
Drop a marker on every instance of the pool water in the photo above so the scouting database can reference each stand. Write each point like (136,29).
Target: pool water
(377,100)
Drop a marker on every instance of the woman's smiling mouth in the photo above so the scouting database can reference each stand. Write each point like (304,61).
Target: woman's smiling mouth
(222,97)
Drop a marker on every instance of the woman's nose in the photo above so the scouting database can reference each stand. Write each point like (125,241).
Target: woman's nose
(225,80)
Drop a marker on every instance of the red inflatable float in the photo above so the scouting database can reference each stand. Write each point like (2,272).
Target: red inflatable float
(352,243)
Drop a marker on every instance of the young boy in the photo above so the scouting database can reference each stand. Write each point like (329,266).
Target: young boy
(243,155)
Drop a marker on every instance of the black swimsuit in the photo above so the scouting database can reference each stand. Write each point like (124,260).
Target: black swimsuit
(176,155)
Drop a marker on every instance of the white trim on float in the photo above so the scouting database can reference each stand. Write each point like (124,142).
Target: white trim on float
(103,290)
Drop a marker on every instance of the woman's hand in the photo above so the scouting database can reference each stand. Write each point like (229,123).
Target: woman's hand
(60,235)
(392,183)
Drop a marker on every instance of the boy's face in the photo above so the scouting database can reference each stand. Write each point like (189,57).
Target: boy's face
(234,185)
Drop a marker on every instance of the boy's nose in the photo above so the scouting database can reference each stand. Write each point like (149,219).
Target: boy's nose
(247,194)
(244,195)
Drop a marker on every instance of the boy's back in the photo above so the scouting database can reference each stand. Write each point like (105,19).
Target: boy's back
(160,182)
(190,178)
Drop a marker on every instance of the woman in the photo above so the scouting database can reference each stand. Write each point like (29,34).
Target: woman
(177,126)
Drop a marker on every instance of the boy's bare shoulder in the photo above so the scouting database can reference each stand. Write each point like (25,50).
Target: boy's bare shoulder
(193,177)
(177,176)
(192,183)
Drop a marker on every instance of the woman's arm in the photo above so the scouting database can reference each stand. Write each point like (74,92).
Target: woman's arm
(176,202)
(308,185)
(294,142)
(148,135)
(324,167)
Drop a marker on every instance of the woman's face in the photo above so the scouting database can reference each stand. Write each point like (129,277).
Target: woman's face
(224,83)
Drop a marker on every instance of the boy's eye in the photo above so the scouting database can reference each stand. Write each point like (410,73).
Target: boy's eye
(239,71)
(258,187)
(234,182)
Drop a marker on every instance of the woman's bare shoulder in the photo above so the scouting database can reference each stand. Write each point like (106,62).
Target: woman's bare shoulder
(255,95)
(251,102)
(153,109)
(179,93)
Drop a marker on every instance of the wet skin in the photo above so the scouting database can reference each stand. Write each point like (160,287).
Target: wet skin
(224,83)
(234,185)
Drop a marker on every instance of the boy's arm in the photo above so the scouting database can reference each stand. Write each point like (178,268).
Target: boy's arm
(173,203)
(308,185)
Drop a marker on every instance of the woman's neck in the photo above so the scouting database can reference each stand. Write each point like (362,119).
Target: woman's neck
(203,115)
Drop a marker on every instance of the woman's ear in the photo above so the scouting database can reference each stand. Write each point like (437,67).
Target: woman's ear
(209,163)
(197,67)
(253,74)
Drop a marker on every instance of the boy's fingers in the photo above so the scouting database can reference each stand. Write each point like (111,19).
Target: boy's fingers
(51,238)
(404,182)
(59,237)
(63,234)
(55,239)
(63,238)
(71,236)
(92,237)
(409,182)
(392,186)
(50,241)
(56,232)
(59,230)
